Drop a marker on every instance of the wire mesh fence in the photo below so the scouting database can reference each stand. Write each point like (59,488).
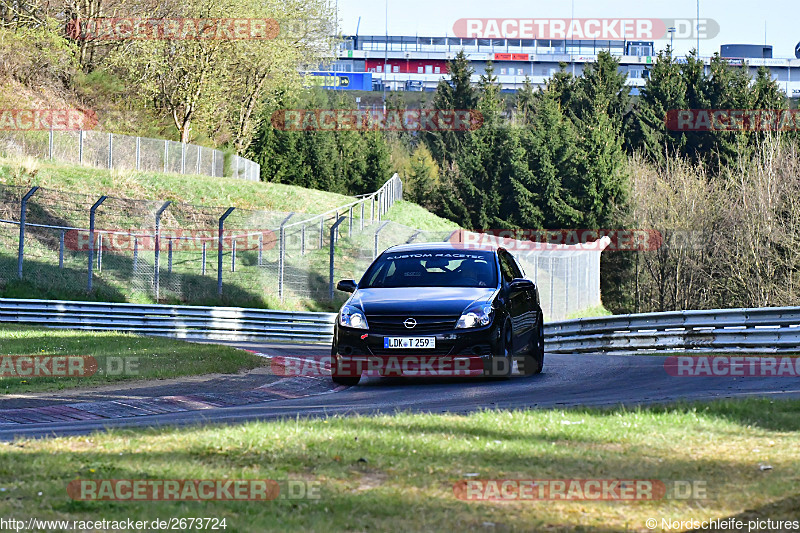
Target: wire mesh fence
(118,249)
(116,151)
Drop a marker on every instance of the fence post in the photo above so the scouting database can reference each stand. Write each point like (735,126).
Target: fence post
(362,215)
(233,254)
(372,216)
(61,250)
(214,163)
(166,153)
(135,253)
(50,145)
(321,230)
(303,239)
(332,250)
(260,248)
(22,210)
(80,146)
(169,255)
(110,151)
(282,255)
(219,250)
(413,236)
(199,157)
(377,231)
(350,223)
(183,157)
(138,153)
(156,274)
(203,266)
(100,253)
(552,287)
(92,213)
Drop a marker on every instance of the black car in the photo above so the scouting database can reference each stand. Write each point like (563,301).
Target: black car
(439,309)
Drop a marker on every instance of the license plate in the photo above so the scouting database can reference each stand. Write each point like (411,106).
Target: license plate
(409,342)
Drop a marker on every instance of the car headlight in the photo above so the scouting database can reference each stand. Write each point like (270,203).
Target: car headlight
(351,317)
(475,317)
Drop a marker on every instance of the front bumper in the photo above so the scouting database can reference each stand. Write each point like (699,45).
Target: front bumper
(458,353)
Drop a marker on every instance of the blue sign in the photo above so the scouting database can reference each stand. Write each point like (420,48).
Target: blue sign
(341,81)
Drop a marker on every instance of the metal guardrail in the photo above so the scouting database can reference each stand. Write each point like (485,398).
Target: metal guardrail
(766,329)
(179,321)
(771,329)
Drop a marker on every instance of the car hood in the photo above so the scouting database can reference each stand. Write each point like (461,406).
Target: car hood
(419,300)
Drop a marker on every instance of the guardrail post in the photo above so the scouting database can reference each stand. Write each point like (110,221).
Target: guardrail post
(61,250)
(156,272)
(282,254)
(92,213)
(219,249)
(377,231)
(203,266)
(22,211)
(335,226)
(138,153)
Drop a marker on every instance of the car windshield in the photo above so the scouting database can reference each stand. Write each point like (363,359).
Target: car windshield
(432,269)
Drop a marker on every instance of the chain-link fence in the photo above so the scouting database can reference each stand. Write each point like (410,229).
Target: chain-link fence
(70,246)
(116,151)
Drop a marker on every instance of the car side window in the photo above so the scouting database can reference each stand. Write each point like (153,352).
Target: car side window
(505,268)
(515,268)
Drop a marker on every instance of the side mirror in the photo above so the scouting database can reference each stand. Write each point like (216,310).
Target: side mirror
(520,284)
(347,285)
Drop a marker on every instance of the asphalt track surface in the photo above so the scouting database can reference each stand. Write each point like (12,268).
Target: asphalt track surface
(567,381)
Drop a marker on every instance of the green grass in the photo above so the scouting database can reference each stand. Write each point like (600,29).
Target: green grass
(591,312)
(413,215)
(142,357)
(389,472)
(157,186)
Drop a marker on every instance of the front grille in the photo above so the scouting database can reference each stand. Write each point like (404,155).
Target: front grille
(425,324)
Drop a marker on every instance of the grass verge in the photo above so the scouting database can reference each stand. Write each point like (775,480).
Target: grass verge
(120,357)
(376,472)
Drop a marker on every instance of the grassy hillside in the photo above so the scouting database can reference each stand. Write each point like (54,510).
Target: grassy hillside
(69,190)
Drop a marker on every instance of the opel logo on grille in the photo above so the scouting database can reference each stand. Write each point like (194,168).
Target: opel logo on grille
(410,323)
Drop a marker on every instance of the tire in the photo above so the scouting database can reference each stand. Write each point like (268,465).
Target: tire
(505,354)
(539,350)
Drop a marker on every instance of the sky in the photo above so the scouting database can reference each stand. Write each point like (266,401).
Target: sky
(740,22)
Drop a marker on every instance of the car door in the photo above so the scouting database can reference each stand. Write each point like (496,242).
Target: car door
(527,319)
(517,301)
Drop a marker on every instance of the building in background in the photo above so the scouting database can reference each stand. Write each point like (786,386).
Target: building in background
(410,63)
